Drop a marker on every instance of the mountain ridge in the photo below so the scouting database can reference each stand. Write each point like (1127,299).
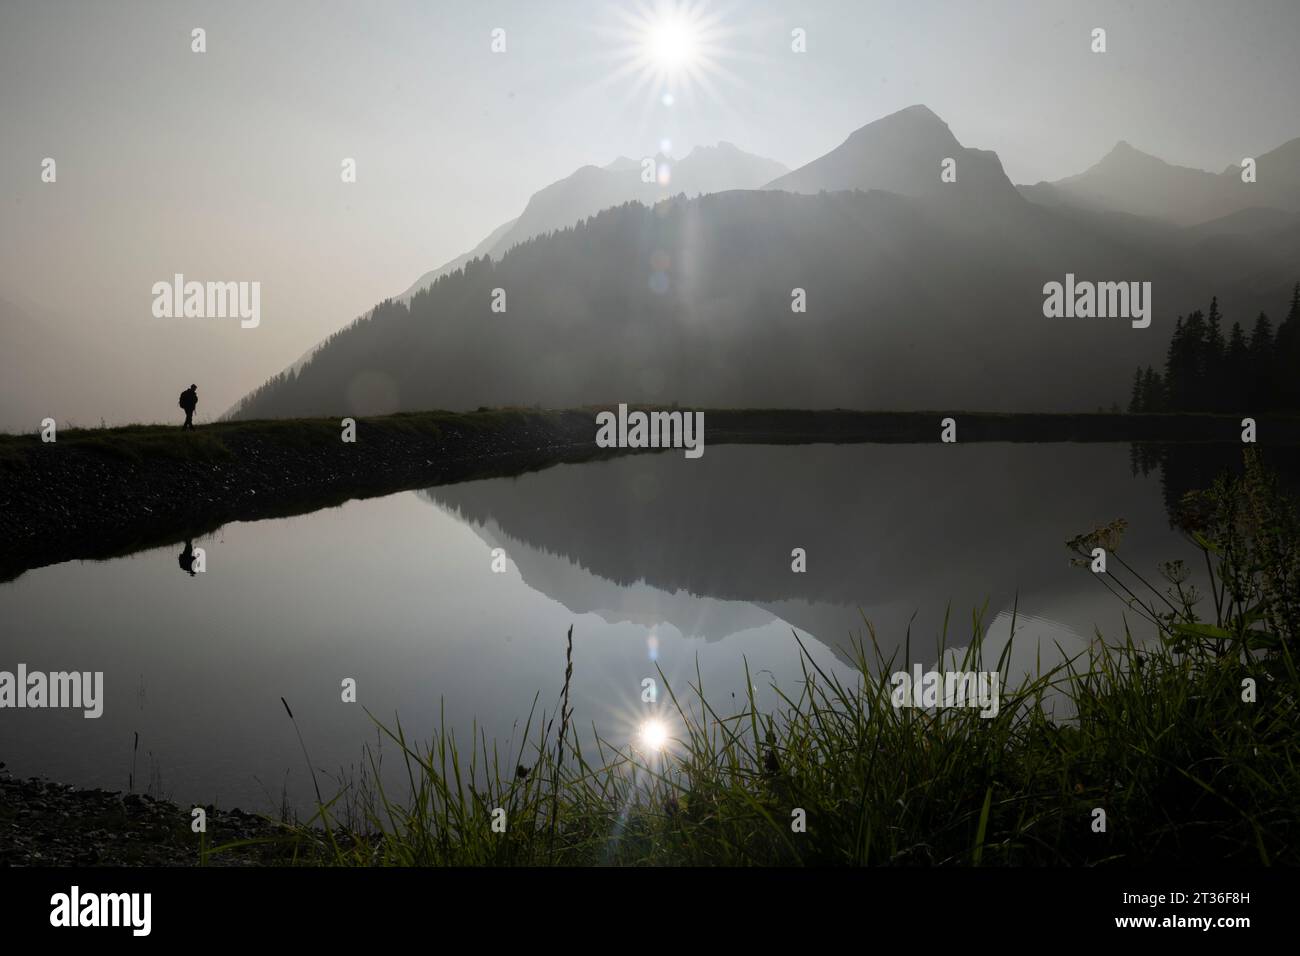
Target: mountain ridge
(904,153)
(584,192)
(1130,180)
(934,291)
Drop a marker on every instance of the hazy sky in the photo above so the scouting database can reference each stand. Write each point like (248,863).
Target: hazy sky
(226,165)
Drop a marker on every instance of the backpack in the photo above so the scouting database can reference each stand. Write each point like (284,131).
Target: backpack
(181,401)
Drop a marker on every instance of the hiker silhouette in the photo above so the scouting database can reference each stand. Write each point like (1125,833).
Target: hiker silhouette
(189,400)
(186,558)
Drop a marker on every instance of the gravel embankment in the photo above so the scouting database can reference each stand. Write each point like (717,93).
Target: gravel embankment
(96,498)
(50,824)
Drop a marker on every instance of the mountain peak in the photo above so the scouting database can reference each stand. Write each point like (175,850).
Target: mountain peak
(1126,152)
(904,153)
(915,119)
(1129,181)
(719,149)
(915,111)
(920,110)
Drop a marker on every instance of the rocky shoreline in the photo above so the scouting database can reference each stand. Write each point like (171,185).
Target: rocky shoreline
(50,824)
(96,496)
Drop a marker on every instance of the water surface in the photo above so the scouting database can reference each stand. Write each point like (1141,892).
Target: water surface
(653,559)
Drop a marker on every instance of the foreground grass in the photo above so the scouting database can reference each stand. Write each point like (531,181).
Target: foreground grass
(1184,770)
(1186,745)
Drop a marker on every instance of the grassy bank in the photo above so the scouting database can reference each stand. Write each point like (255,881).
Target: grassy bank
(224,440)
(1186,743)
(1184,771)
(100,493)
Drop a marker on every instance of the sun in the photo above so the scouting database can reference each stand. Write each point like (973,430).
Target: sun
(653,735)
(672,41)
(669,50)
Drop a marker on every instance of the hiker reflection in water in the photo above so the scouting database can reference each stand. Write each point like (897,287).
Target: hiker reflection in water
(186,558)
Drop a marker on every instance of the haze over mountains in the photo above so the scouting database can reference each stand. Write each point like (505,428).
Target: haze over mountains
(920,293)
(706,169)
(1130,181)
(82,369)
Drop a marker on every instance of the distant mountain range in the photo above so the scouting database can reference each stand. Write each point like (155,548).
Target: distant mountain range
(706,169)
(1128,180)
(920,293)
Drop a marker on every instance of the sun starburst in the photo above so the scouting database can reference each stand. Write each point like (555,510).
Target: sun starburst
(671,50)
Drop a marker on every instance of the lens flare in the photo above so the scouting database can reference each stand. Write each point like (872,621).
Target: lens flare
(653,734)
(670,49)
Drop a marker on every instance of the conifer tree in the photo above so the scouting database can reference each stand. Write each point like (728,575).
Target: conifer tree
(1212,388)
(1173,362)
(1260,392)
(1285,377)
(1236,377)
(1153,399)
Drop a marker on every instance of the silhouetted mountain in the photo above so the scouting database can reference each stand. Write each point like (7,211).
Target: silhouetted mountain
(589,190)
(1255,223)
(911,304)
(484,248)
(1131,181)
(929,295)
(903,153)
(1278,182)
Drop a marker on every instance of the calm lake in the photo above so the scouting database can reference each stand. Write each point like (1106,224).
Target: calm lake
(653,559)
